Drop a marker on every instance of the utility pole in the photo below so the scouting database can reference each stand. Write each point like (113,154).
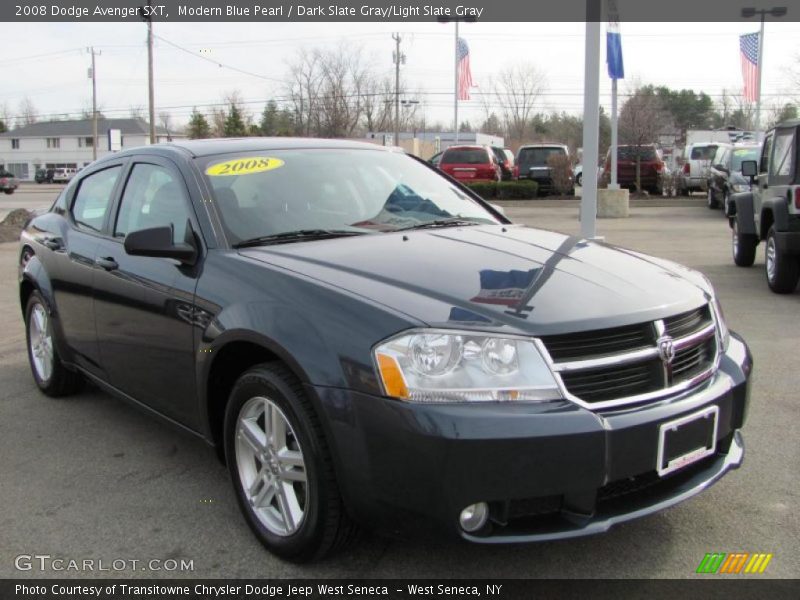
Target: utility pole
(398,58)
(93,75)
(151,98)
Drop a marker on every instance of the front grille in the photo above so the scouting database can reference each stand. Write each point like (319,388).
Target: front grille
(586,344)
(624,364)
(687,323)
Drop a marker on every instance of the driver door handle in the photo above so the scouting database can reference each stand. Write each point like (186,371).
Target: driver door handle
(107,263)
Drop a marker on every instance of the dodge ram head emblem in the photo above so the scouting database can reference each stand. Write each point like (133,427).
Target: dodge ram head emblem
(666,349)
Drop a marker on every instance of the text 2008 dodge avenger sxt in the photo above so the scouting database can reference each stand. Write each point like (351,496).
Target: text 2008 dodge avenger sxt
(368,343)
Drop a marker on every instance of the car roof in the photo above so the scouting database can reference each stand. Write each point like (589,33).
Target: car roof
(789,123)
(543,146)
(465,147)
(213,146)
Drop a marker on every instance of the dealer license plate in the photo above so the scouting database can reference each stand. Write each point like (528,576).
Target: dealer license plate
(686,440)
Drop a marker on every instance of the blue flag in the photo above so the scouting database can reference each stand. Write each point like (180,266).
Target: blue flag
(616,70)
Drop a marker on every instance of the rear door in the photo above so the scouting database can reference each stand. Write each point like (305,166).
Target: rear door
(144,306)
(70,261)
(762,181)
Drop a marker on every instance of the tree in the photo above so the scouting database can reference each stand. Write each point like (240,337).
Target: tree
(198,128)
(3,127)
(517,90)
(234,122)
(782,113)
(166,122)
(136,111)
(269,119)
(641,120)
(688,110)
(27,111)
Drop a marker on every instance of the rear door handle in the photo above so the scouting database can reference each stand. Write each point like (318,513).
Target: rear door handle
(107,263)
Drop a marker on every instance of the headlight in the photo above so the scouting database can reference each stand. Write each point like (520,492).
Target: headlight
(454,366)
(740,187)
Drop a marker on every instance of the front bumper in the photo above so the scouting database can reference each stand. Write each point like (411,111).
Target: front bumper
(548,471)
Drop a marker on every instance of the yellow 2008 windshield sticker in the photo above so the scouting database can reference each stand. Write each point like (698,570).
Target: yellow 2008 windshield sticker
(244,166)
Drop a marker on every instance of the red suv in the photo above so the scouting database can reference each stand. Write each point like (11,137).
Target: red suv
(470,163)
(651,167)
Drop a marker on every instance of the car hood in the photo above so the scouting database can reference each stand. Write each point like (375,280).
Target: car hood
(511,278)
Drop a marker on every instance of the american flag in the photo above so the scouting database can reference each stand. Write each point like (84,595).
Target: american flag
(464,72)
(748,44)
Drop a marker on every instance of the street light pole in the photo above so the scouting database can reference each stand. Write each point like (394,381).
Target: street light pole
(397,59)
(455,90)
(748,13)
(94,102)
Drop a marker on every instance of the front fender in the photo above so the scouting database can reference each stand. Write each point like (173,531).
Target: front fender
(742,206)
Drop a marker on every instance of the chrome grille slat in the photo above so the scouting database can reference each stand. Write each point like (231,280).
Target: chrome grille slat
(612,367)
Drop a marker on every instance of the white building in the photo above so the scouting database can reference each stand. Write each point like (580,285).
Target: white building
(54,144)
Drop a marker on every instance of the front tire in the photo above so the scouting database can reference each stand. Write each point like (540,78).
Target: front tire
(783,270)
(8,192)
(744,246)
(281,466)
(49,373)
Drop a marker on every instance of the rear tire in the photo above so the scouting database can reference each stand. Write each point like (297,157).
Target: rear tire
(9,192)
(744,246)
(281,469)
(783,270)
(49,373)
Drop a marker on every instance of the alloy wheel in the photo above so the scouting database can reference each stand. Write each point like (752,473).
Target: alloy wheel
(41,342)
(271,468)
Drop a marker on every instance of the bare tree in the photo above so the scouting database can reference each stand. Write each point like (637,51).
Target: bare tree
(165,119)
(517,90)
(378,103)
(28,114)
(641,120)
(136,111)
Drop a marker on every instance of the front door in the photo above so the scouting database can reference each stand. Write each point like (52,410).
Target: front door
(144,306)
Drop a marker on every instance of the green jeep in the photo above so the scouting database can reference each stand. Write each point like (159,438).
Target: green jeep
(770,211)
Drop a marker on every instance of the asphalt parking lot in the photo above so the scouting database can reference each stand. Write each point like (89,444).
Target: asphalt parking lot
(90,477)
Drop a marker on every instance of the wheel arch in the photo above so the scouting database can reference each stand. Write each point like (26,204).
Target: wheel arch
(745,217)
(775,212)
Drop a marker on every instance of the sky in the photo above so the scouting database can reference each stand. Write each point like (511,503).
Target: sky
(48,62)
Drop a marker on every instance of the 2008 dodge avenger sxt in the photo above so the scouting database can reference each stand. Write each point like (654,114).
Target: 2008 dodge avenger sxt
(367,343)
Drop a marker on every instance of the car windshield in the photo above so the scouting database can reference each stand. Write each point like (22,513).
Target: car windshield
(742,154)
(537,157)
(703,152)
(332,191)
(465,156)
(632,152)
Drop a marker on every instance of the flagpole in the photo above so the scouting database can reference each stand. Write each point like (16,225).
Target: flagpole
(613,184)
(591,119)
(455,95)
(760,69)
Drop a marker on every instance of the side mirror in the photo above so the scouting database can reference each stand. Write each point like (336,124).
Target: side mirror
(749,168)
(721,167)
(157,242)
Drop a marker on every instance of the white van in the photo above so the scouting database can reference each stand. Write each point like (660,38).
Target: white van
(63,175)
(696,161)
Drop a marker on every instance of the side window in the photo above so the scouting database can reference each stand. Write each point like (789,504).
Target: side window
(93,198)
(153,197)
(762,165)
(782,164)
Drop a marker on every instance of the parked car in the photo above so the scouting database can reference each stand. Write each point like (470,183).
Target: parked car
(471,163)
(8,182)
(43,176)
(63,175)
(505,158)
(770,211)
(533,161)
(725,173)
(651,167)
(694,173)
(355,334)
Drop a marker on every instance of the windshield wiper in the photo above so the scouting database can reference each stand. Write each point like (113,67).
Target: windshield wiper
(450,222)
(300,235)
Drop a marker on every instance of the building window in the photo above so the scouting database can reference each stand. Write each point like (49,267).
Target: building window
(54,142)
(85,142)
(20,170)
(15,143)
